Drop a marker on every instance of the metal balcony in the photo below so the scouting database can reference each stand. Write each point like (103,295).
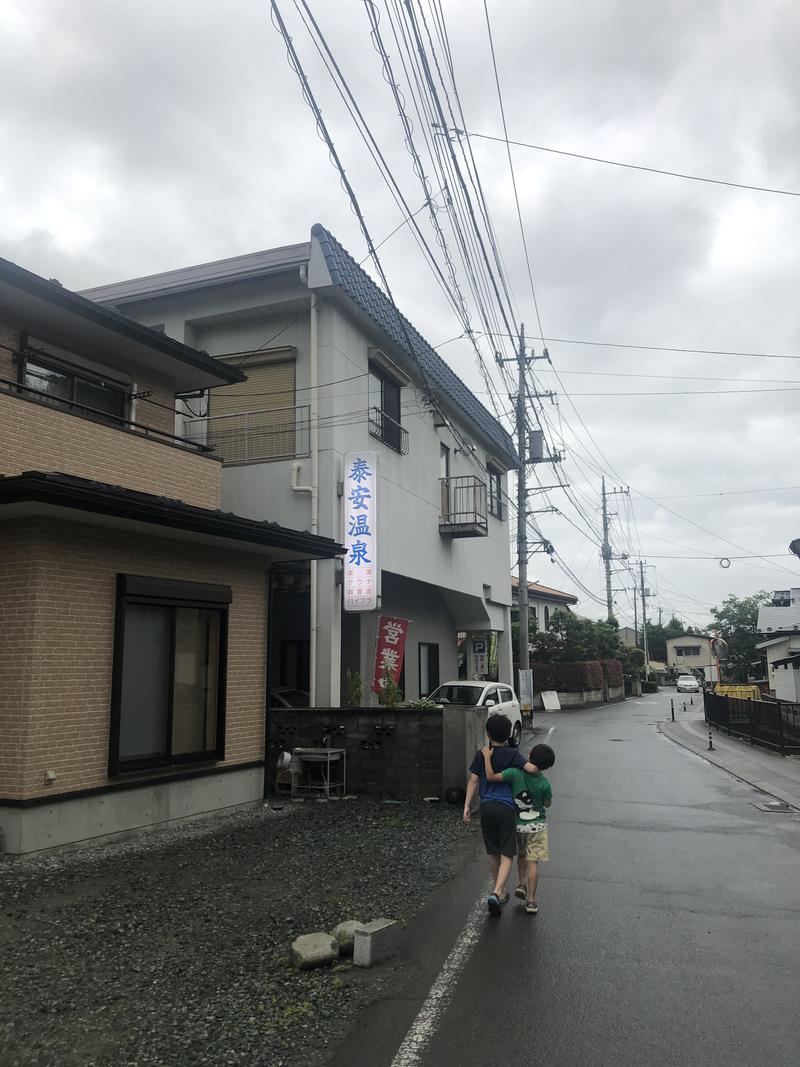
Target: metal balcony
(463,507)
(386,429)
(255,436)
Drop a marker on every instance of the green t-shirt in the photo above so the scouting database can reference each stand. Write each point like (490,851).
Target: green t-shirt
(529,791)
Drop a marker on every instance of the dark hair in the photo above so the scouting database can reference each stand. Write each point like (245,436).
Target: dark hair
(543,756)
(498,727)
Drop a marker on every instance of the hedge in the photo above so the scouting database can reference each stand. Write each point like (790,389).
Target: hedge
(612,669)
(568,677)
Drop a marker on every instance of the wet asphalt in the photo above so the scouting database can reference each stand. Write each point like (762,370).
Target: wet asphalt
(668,931)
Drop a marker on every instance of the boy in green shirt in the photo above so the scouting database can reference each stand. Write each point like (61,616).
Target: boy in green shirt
(532,795)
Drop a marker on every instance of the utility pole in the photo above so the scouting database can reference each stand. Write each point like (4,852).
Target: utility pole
(522,510)
(605,550)
(606,554)
(524,449)
(644,622)
(660,609)
(635,616)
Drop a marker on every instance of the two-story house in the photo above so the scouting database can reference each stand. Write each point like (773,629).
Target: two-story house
(779,627)
(133,610)
(692,654)
(336,375)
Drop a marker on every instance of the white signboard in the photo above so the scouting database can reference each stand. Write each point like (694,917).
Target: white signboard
(525,693)
(550,701)
(360,536)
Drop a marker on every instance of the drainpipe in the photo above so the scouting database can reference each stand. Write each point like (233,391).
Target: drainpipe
(313,489)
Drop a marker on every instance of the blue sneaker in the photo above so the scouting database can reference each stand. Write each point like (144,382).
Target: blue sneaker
(493,904)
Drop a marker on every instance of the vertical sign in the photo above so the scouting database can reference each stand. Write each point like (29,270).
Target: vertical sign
(389,649)
(360,536)
(525,692)
(479,657)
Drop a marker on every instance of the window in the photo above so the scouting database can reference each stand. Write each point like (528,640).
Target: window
(258,420)
(384,410)
(62,384)
(546,616)
(428,669)
(687,650)
(506,696)
(495,492)
(168,699)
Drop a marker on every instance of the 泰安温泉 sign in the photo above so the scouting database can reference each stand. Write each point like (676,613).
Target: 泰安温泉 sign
(360,536)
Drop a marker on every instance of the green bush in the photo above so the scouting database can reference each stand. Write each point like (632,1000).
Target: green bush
(649,687)
(568,677)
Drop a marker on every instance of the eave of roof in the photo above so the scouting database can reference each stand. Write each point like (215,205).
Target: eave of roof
(356,284)
(545,591)
(35,288)
(81,494)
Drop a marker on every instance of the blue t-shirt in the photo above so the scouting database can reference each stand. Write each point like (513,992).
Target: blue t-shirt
(501,759)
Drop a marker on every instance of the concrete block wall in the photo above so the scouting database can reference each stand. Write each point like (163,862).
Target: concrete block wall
(395,752)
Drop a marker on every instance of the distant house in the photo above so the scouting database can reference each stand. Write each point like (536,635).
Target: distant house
(543,601)
(692,653)
(779,626)
(628,636)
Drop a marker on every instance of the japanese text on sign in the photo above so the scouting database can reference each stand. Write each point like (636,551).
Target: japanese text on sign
(360,531)
(389,650)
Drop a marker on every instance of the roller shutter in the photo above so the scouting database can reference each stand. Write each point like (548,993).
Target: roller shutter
(256,420)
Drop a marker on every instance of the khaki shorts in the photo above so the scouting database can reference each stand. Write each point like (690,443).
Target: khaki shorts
(533,846)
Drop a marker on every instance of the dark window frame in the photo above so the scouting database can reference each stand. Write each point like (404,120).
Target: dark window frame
(174,594)
(74,373)
(432,685)
(385,423)
(495,492)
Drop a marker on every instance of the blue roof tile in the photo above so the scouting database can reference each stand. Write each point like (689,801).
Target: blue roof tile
(356,284)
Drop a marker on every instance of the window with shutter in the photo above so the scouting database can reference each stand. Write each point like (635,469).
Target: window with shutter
(255,420)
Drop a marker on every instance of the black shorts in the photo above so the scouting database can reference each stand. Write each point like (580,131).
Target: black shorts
(499,826)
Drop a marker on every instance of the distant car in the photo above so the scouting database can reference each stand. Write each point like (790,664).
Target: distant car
(687,683)
(282,697)
(496,697)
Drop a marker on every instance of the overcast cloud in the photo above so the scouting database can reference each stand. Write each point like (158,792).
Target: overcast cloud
(142,136)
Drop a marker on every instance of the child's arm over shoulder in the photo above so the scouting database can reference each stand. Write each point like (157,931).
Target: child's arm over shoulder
(524,765)
(547,793)
(491,774)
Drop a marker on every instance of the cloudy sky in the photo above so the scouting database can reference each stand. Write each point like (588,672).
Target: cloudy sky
(141,136)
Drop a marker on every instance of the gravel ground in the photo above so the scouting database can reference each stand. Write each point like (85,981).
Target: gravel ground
(172,948)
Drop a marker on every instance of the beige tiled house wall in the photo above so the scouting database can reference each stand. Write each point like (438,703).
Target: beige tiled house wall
(38,437)
(58,687)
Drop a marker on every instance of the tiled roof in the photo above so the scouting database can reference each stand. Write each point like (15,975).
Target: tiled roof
(356,284)
(534,589)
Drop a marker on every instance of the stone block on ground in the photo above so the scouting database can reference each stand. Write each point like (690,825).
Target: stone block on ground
(314,950)
(345,935)
(375,941)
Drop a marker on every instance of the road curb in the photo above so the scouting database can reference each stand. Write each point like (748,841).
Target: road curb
(786,797)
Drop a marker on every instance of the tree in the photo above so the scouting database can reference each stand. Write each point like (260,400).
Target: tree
(657,637)
(736,620)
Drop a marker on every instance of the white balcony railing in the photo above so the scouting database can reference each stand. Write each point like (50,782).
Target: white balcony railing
(254,436)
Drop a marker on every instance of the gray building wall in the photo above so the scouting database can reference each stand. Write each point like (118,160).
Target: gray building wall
(444,585)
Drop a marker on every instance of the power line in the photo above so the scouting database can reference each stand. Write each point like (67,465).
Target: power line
(693,392)
(633,166)
(666,348)
(731,492)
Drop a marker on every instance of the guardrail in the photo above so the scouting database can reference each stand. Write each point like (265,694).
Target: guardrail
(773,724)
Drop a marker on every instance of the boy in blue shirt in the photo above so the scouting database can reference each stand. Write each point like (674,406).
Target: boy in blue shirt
(497,805)
(532,795)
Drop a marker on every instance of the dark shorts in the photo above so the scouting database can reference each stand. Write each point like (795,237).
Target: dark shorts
(498,824)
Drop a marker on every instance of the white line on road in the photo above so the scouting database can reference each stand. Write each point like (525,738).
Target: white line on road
(549,732)
(424,1026)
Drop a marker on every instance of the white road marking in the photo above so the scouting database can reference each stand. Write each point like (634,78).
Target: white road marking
(424,1026)
(549,732)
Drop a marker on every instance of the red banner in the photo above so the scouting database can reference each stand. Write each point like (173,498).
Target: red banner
(389,649)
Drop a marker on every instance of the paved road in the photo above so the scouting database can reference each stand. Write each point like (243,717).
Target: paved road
(668,933)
